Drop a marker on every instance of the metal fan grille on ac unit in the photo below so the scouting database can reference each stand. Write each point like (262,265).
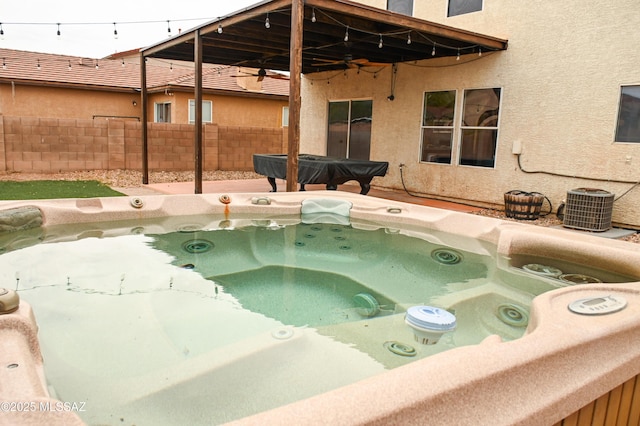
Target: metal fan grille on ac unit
(588,209)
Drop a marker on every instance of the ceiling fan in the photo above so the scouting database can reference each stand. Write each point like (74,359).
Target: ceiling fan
(262,73)
(348,62)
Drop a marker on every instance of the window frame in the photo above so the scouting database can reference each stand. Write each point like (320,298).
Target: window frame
(285,116)
(411,7)
(462,128)
(451,127)
(155,111)
(619,118)
(450,15)
(192,111)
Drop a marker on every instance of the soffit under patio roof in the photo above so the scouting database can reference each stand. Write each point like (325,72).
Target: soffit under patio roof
(244,39)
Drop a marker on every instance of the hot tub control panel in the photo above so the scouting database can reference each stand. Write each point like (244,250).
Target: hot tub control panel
(598,305)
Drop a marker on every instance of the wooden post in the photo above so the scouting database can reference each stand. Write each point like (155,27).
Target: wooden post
(197,46)
(295,70)
(143,119)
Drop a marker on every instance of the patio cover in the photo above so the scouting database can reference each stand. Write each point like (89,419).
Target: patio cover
(304,37)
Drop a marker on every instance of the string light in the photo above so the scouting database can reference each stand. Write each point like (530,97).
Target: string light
(267,23)
(69,67)
(4,64)
(38,65)
(171,66)
(122,63)
(97,64)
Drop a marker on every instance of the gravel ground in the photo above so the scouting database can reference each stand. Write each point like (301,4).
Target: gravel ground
(133,179)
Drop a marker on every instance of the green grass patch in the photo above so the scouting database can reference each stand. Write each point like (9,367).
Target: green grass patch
(49,189)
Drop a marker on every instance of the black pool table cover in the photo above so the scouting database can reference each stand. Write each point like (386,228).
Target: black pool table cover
(319,169)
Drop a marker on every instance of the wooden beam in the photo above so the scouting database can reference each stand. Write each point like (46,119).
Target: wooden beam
(295,67)
(197,52)
(143,111)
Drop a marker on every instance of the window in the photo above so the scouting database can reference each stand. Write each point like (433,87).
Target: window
(285,116)
(479,128)
(628,125)
(401,6)
(162,112)
(460,7)
(349,133)
(207,111)
(437,126)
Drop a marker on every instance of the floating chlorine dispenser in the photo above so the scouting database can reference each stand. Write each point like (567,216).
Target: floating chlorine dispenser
(429,323)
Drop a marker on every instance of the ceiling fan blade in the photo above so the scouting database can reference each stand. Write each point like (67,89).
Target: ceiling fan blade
(375,64)
(328,61)
(328,64)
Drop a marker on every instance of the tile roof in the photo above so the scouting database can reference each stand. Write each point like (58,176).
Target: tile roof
(122,73)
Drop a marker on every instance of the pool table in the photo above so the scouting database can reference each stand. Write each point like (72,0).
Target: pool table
(318,169)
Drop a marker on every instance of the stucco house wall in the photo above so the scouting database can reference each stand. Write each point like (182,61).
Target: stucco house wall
(227,110)
(560,79)
(24,100)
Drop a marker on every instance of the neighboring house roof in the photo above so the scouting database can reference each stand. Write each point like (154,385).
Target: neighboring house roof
(121,73)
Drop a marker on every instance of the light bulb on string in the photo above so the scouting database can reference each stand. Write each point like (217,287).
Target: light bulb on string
(458,56)
(313,15)
(479,51)
(433,51)
(58,32)
(267,24)
(346,34)
(115,31)
(219,28)
(69,66)
(97,65)
(1,31)
(168,29)
(123,63)
(380,43)
(409,38)
(38,65)
(4,64)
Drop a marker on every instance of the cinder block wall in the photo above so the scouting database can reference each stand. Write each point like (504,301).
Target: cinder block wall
(58,145)
(238,144)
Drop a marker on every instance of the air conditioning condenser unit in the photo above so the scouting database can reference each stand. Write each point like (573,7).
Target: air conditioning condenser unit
(588,209)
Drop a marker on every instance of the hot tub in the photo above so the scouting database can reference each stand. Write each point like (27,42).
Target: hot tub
(560,360)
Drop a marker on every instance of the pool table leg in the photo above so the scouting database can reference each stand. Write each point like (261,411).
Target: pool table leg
(272,181)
